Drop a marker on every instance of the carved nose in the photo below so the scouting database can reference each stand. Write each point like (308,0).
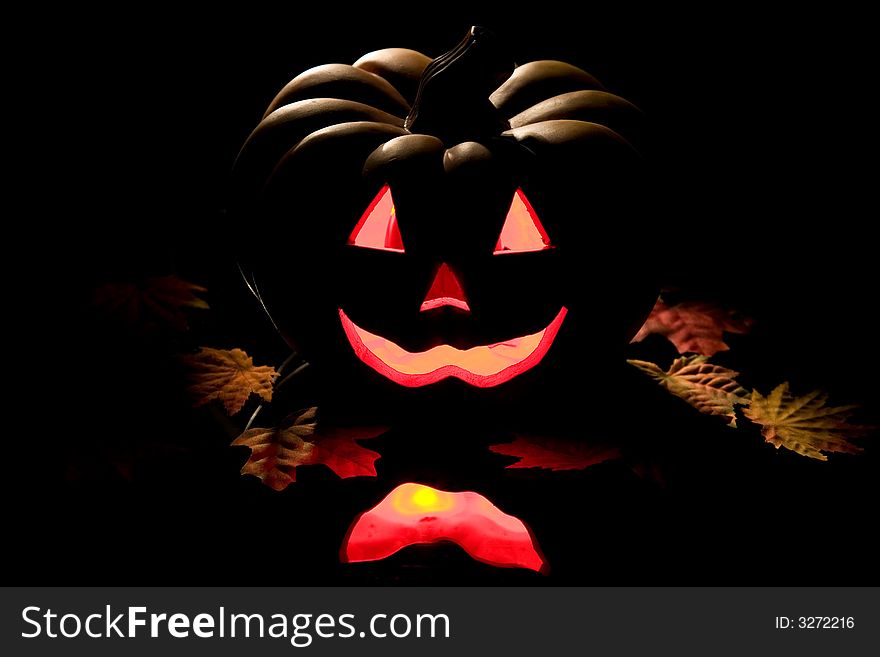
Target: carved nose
(445,291)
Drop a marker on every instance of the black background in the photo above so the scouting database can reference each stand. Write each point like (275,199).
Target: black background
(763,151)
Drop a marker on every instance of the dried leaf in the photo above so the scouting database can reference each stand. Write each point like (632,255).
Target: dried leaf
(126,458)
(276,453)
(693,327)
(649,470)
(709,388)
(97,461)
(227,375)
(554,453)
(155,301)
(804,424)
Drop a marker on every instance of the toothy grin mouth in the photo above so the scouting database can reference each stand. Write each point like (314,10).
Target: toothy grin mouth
(483,366)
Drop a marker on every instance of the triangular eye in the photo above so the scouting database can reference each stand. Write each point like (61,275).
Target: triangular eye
(377,228)
(522,230)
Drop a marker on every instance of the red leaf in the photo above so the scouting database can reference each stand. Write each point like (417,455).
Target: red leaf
(343,455)
(693,326)
(277,453)
(554,453)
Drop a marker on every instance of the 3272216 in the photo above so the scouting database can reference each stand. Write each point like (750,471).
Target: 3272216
(826,622)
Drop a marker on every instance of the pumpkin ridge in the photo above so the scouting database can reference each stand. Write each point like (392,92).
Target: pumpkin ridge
(401,67)
(538,80)
(341,81)
(290,124)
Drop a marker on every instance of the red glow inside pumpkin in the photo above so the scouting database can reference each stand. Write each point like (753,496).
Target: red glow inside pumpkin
(482,366)
(414,514)
(377,228)
(522,230)
(445,291)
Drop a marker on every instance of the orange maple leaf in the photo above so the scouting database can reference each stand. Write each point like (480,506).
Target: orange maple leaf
(554,453)
(151,302)
(692,326)
(276,453)
(228,375)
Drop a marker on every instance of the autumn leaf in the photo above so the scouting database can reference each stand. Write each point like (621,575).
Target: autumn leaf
(650,471)
(277,453)
(126,458)
(91,461)
(692,326)
(710,388)
(805,425)
(228,375)
(554,453)
(151,302)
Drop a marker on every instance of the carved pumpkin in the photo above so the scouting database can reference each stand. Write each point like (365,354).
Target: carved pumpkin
(448,218)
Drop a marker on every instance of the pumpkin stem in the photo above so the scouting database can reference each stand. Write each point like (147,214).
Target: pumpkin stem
(452,102)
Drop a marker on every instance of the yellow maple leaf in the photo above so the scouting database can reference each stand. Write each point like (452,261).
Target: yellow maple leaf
(710,388)
(228,375)
(804,424)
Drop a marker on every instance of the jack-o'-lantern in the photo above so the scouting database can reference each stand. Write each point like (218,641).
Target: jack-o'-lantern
(455,218)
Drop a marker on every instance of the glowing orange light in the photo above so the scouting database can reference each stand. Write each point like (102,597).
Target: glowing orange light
(425,498)
(416,499)
(415,514)
(483,366)
(522,230)
(377,228)
(445,291)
